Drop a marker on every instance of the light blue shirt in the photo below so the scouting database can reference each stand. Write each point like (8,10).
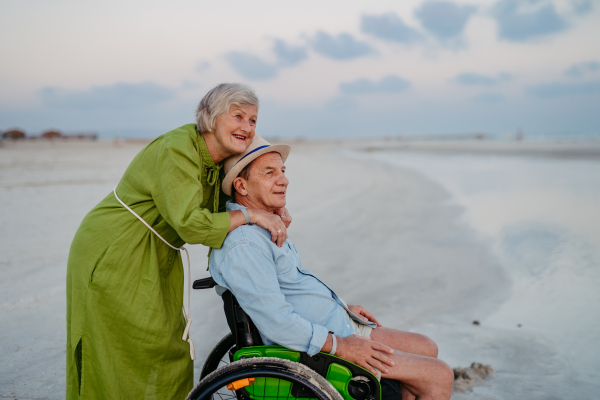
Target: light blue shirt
(289,305)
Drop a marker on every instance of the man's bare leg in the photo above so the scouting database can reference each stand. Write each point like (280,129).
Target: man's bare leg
(405,341)
(416,344)
(425,378)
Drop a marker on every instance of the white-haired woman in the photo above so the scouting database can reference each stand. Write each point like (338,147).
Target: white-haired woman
(125,282)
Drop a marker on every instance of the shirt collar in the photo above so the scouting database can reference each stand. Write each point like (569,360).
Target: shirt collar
(231,206)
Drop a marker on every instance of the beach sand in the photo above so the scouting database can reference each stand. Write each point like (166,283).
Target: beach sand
(394,236)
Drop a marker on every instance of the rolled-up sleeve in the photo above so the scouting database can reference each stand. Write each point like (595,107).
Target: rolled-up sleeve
(250,273)
(177,193)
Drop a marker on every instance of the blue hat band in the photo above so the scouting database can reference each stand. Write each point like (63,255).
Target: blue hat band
(256,149)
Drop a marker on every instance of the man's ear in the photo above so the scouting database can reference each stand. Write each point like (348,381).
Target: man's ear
(239,184)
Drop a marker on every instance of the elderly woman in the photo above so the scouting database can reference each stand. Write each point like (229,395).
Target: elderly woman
(127,337)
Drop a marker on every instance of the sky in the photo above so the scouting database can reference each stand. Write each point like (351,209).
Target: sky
(322,69)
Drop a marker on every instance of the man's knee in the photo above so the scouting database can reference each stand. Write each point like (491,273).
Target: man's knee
(435,382)
(442,382)
(428,347)
(446,379)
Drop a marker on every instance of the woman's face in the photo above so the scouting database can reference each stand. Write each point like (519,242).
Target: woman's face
(235,130)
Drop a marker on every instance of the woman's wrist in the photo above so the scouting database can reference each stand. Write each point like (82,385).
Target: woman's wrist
(237,219)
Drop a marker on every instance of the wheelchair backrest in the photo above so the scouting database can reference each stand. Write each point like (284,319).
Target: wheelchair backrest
(240,324)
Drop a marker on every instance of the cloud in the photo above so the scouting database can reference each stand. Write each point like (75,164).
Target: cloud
(389,84)
(389,27)
(559,89)
(288,55)
(253,67)
(202,66)
(473,79)
(117,96)
(581,69)
(443,19)
(520,21)
(582,7)
(340,47)
(250,66)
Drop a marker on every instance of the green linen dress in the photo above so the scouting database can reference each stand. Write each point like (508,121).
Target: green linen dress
(125,286)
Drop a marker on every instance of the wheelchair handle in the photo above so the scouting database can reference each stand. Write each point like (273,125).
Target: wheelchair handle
(204,283)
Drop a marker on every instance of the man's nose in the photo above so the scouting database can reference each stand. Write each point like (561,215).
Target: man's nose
(283,180)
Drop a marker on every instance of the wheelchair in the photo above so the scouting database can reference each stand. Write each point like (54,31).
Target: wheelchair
(241,367)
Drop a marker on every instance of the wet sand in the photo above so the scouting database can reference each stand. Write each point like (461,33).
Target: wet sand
(388,237)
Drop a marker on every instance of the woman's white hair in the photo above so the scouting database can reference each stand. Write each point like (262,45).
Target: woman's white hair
(219,100)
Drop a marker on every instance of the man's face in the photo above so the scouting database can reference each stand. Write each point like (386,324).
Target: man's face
(267,184)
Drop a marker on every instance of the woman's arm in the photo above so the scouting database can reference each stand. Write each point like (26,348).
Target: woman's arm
(271,222)
(178,192)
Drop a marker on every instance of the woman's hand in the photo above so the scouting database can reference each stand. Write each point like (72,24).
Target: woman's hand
(364,314)
(285,216)
(271,222)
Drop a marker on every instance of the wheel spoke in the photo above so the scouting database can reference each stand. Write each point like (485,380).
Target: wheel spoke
(225,395)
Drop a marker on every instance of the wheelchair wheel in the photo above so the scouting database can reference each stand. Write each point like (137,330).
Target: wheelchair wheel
(219,356)
(264,379)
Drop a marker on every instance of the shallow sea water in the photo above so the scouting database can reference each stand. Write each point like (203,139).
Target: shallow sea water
(542,218)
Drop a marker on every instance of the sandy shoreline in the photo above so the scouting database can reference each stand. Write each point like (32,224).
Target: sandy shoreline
(568,150)
(391,239)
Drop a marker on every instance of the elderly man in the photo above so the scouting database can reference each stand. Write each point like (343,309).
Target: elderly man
(290,306)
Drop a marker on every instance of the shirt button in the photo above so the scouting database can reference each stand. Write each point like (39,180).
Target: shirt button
(348,326)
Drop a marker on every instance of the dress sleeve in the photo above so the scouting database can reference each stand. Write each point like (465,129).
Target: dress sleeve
(251,275)
(177,193)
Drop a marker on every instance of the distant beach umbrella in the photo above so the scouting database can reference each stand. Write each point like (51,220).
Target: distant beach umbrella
(51,134)
(14,134)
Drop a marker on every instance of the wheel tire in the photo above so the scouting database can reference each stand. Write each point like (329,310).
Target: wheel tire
(216,382)
(219,355)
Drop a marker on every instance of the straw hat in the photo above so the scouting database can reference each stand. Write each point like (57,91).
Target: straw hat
(259,146)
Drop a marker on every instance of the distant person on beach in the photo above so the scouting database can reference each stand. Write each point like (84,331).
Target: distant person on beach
(290,306)
(127,337)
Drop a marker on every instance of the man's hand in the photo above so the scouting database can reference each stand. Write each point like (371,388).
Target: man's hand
(285,216)
(364,314)
(364,352)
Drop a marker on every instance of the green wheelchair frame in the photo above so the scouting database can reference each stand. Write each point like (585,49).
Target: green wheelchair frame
(241,367)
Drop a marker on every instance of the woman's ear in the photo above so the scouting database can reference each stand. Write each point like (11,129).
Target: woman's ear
(239,184)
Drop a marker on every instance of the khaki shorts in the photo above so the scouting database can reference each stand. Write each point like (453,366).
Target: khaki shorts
(360,329)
